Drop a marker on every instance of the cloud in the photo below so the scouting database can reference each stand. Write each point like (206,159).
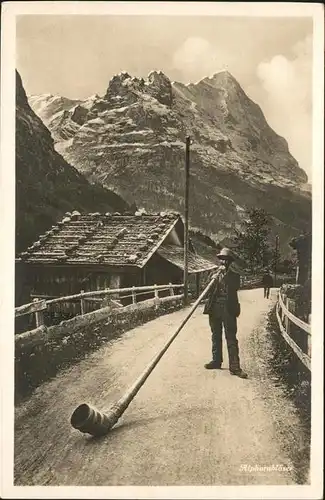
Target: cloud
(197,58)
(288,103)
(283,86)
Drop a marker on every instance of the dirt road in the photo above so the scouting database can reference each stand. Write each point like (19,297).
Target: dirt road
(186,426)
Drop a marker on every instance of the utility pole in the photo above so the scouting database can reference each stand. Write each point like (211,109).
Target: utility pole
(187,185)
(276,257)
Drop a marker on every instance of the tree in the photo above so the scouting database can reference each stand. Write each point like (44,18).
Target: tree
(252,242)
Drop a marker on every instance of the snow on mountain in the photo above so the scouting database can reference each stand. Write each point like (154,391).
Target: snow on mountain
(47,105)
(132,140)
(46,185)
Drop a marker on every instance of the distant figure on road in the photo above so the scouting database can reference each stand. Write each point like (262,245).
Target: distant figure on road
(267,282)
(223,309)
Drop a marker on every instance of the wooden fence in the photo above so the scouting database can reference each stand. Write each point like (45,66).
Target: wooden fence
(42,311)
(296,332)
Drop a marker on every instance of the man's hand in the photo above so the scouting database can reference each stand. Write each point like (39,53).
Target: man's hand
(220,272)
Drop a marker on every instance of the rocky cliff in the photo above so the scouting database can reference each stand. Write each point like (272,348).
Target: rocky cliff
(46,185)
(132,141)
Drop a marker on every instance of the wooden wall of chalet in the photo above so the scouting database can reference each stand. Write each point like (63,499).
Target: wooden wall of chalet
(22,289)
(159,271)
(58,281)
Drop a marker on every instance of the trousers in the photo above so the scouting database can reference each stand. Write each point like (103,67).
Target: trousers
(266,292)
(218,320)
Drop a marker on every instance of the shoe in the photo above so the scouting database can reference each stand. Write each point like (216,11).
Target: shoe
(239,373)
(213,365)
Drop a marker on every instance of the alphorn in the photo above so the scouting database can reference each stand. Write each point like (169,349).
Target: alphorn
(88,419)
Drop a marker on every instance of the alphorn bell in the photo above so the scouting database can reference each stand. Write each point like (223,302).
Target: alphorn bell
(89,420)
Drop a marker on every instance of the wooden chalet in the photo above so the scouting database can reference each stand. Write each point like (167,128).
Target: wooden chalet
(95,251)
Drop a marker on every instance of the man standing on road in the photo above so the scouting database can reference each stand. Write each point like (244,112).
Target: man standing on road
(267,282)
(223,309)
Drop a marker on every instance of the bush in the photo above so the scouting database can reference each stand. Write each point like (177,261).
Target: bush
(301,294)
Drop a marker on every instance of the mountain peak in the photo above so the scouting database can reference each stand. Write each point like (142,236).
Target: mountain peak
(133,140)
(160,87)
(157,76)
(118,79)
(122,75)
(126,88)
(222,72)
(223,77)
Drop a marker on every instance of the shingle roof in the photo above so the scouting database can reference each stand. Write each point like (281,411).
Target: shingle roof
(175,255)
(107,239)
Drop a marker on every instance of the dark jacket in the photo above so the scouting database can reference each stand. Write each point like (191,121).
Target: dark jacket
(267,280)
(232,281)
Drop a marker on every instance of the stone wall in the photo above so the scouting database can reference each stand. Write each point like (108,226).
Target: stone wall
(41,353)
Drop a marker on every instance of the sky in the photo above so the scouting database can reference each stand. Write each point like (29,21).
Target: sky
(76,56)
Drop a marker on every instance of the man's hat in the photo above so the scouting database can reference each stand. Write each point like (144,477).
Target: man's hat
(225,253)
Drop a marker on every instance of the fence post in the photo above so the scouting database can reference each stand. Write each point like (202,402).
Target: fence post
(171,289)
(106,299)
(290,305)
(156,294)
(39,316)
(82,303)
(286,319)
(284,300)
(134,296)
(309,345)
